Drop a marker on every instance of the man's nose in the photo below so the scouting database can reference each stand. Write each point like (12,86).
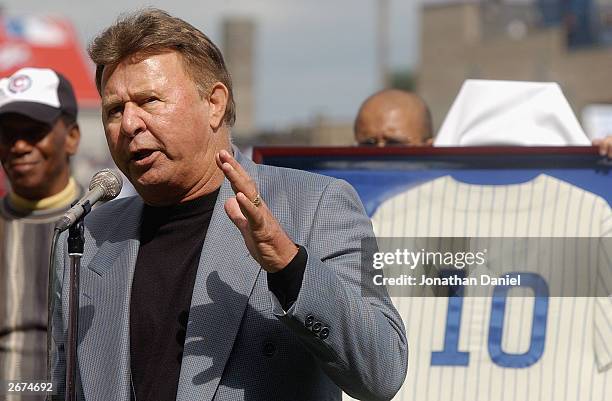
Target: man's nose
(20,146)
(131,122)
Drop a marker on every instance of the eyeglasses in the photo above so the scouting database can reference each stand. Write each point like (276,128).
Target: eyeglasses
(383,142)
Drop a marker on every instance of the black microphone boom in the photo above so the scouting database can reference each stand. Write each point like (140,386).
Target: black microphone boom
(104,186)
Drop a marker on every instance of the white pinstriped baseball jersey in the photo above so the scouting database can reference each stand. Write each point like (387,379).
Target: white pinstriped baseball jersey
(452,354)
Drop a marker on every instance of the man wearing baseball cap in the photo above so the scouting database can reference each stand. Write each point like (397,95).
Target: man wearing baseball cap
(38,135)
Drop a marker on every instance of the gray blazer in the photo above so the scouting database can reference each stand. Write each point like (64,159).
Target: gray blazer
(240,343)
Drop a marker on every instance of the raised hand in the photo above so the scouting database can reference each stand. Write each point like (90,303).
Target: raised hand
(265,239)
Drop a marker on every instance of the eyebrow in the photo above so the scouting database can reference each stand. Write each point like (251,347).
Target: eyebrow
(111,103)
(116,101)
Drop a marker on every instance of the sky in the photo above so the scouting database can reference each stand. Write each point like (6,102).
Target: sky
(313,57)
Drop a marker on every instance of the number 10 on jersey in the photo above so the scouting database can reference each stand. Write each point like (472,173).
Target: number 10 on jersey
(450,354)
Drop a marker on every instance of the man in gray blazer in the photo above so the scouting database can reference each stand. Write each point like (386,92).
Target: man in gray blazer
(223,280)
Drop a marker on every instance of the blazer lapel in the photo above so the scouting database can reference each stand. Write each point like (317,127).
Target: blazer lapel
(226,275)
(104,343)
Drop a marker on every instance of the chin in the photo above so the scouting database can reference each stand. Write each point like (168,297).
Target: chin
(154,191)
(156,183)
(25,184)
(148,178)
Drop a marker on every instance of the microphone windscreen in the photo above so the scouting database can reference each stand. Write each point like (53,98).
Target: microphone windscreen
(110,181)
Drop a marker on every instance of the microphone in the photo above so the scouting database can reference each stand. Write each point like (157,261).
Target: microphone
(104,186)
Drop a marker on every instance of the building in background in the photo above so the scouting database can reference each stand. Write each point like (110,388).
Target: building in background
(239,43)
(544,40)
(239,53)
(320,131)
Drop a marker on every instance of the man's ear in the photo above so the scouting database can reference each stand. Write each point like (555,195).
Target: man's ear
(219,96)
(429,142)
(72,140)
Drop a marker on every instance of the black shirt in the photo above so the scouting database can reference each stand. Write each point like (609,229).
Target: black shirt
(171,240)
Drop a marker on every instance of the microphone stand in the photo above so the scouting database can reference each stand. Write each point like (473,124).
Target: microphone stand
(76,245)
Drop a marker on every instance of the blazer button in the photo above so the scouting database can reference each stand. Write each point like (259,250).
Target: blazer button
(324,333)
(309,321)
(269,349)
(316,327)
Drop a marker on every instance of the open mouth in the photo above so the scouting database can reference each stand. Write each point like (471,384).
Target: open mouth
(144,158)
(141,155)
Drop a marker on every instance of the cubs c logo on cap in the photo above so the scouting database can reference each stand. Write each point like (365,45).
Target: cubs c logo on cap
(19,83)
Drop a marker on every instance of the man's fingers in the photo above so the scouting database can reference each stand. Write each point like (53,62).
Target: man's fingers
(605,145)
(226,157)
(232,208)
(218,160)
(232,175)
(238,177)
(250,211)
